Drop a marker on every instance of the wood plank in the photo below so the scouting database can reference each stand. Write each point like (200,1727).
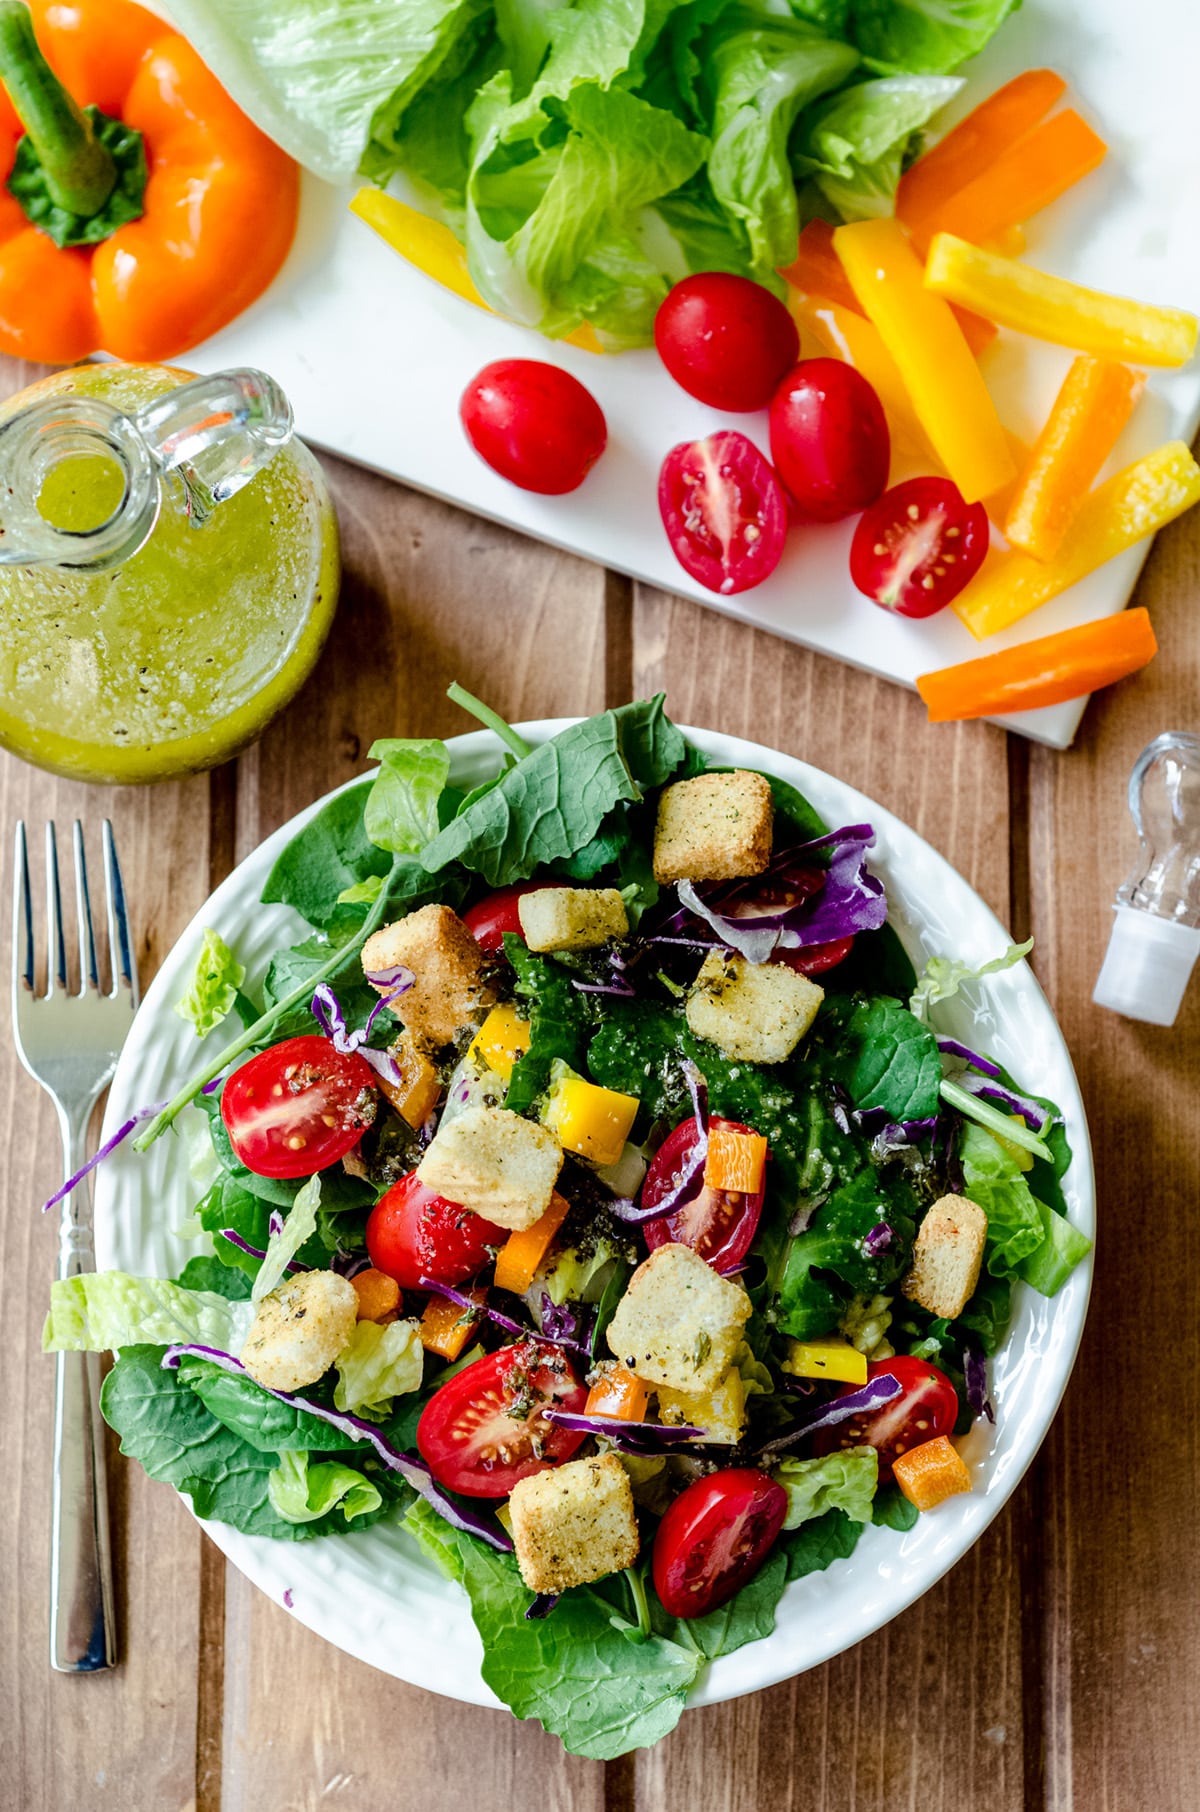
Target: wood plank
(1123,1575)
(928,1713)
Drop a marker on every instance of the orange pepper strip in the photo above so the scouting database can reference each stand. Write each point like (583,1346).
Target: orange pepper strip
(1081,431)
(817,270)
(522,1253)
(736,1161)
(932,1472)
(1045,672)
(1024,179)
(971,147)
(414,1097)
(618,1393)
(445,1328)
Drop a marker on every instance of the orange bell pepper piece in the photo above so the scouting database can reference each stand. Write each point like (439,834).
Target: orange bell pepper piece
(1019,183)
(618,1392)
(1045,672)
(935,363)
(522,1253)
(445,1328)
(1081,431)
(217,211)
(378,1294)
(415,1096)
(971,148)
(1050,308)
(736,1161)
(932,1472)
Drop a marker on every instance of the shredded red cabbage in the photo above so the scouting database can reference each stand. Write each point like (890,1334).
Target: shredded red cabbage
(975,1373)
(106,1150)
(877,1120)
(542,1605)
(873,1395)
(235,1239)
(1030,1110)
(210,1088)
(567,1323)
(647,1438)
(878,1239)
(475,1308)
(288,1597)
(327,1011)
(952,1048)
(943,1153)
(413,1470)
(850,900)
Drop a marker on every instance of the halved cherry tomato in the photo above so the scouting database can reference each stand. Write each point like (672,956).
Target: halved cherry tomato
(486,1427)
(918,546)
(794,884)
(533,423)
(496,913)
(926,1407)
(714,1538)
(829,439)
(719,1224)
(298,1107)
(726,340)
(723,510)
(413,1233)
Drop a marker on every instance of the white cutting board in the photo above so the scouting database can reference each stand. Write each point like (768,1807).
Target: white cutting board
(375,356)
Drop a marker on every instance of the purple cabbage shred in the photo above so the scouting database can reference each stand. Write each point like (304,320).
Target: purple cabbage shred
(647,1438)
(475,1308)
(975,1374)
(567,1323)
(872,1396)
(950,1047)
(1031,1111)
(327,1011)
(542,1606)
(878,1239)
(106,1150)
(243,1245)
(850,900)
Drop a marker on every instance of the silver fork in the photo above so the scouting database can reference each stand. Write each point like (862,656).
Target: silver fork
(69,1042)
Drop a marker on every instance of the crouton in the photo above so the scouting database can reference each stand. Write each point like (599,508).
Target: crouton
(720,1413)
(299,1330)
(574,1523)
(756,1012)
(449,990)
(947,1255)
(572,918)
(496,1164)
(679,1323)
(714,827)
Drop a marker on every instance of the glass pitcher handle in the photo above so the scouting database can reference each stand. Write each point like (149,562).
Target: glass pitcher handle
(216,433)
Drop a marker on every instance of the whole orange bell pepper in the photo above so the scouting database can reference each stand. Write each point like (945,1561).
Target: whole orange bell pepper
(141,209)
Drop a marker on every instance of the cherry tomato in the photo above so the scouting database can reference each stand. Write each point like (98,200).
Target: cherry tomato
(789,888)
(298,1107)
(496,913)
(829,439)
(927,1407)
(413,1233)
(714,1538)
(486,1427)
(534,424)
(725,340)
(918,546)
(719,1224)
(723,511)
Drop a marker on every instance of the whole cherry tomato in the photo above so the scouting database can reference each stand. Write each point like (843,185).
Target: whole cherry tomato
(533,423)
(726,340)
(829,439)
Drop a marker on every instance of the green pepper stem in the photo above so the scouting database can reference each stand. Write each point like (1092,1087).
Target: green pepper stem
(80,172)
(491,719)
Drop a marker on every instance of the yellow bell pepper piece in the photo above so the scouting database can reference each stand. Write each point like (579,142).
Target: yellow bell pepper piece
(432,247)
(944,384)
(832,1357)
(851,338)
(593,1122)
(1049,308)
(502,1038)
(1127,507)
(415,1095)
(720,1412)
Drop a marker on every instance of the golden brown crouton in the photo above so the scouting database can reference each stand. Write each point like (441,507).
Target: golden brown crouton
(757,1012)
(679,1323)
(449,990)
(496,1164)
(572,918)
(574,1523)
(299,1330)
(714,827)
(947,1256)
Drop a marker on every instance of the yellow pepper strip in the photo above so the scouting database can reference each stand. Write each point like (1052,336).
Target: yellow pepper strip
(522,1253)
(1049,308)
(1123,510)
(432,247)
(1081,431)
(720,1412)
(415,1095)
(502,1038)
(850,337)
(935,364)
(593,1122)
(829,1358)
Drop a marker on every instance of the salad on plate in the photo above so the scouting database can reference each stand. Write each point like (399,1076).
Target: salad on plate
(591,1194)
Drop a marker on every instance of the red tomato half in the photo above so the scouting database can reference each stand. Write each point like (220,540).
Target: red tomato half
(726,340)
(413,1233)
(496,913)
(297,1107)
(486,1427)
(927,1407)
(719,1224)
(714,1538)
(918,546)
(789,888)
(829,439)
(534,424)
(723,511)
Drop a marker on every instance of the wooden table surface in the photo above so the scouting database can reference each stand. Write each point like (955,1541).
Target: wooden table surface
(1059,1664)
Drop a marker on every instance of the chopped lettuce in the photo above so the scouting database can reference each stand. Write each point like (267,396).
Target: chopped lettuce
(301,1492)
(283,1245)
(382,1361)
(1025,1237)
(214,986)
(943,976)
(844,1481)
(855,143)
(101,1311)
(929,36)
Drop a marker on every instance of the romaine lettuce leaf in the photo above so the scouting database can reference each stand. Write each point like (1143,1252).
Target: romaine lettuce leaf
(102,1311)
(383,1361)
(844,1481)
(401,812)
(943,976)
(856,142)
(214,986)
(931,37)
(993,1179)
(299,1225)
(1048,1267)
(301,1492)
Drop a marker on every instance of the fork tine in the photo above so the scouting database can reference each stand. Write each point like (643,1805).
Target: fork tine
(88,968)
(22,913)
(56,950)
(119,944)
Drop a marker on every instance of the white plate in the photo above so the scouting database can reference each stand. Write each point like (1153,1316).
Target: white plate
(374,1594)
(375,357)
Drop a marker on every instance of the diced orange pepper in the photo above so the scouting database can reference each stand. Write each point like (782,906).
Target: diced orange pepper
(1048,671)
(1024,179)
(445,1327)
(522,1253)
(817,269)
(935,363)
(415,1096)
(618,1392)
(932,1472)
(846,334)
(378,1294)
(971,147)
(1081,431)
(736,1161)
